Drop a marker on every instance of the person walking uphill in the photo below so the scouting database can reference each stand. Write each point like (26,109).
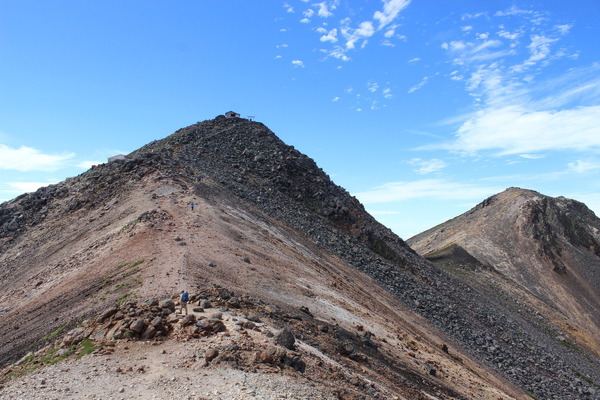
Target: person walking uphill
(183,300)
(192,205)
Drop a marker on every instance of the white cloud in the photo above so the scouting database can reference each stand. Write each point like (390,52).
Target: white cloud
(364,31)
(531,156)
(372,86)
(513,11)
(26,187)
(467,16)
(29,159)
(581,166)
(298,63)
(305,20)
(288,8)
(428,166)
(418,85)
(339,53)
(88,164)
(563,29)
(516,130)
(387,93)
(389,33)
(391,9)
(412,60)
(427,189)
(325,8)
(539,47)
(353,36)
(330,37)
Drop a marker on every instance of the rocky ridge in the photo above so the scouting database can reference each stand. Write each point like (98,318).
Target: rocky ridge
(243,160)
(253,163)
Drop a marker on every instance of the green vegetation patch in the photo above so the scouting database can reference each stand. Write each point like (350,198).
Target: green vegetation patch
(52,356)
(135,264)
(55,333)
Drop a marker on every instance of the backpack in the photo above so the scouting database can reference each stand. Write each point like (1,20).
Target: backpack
(184,297)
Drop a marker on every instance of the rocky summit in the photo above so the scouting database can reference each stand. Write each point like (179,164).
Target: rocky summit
(295,290)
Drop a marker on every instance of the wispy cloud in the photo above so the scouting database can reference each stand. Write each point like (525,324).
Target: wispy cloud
(372,87)
(29,159)
(428,166)
(581,166)
(88,164)
(516,112)
(298,63)
(514,130)
(419,85)
(25,187)
(350,35)
(391,9)
(427,188)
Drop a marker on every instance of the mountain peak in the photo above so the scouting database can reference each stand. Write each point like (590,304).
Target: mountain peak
(540,246)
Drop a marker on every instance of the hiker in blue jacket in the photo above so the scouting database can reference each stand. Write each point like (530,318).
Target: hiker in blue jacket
(183,300)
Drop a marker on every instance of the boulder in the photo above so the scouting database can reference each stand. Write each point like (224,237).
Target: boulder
(107,314)
(210,326)
(188,320)
(149,333)
(168,304)
(285,338)
(138,326)
(211,354)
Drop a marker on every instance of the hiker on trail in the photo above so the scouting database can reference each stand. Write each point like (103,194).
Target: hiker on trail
(183,300)
(192,205)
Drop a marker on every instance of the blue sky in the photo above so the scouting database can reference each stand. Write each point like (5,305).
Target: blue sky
(420,108)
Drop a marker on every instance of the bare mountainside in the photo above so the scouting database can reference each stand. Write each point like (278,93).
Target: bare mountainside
(542,251)
(271,244)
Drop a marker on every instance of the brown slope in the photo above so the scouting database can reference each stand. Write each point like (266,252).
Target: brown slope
(136,238)
(540,251)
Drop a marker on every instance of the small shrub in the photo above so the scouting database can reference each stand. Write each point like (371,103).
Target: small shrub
(122,298)
(86,346)
(135,264)
(55,333)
